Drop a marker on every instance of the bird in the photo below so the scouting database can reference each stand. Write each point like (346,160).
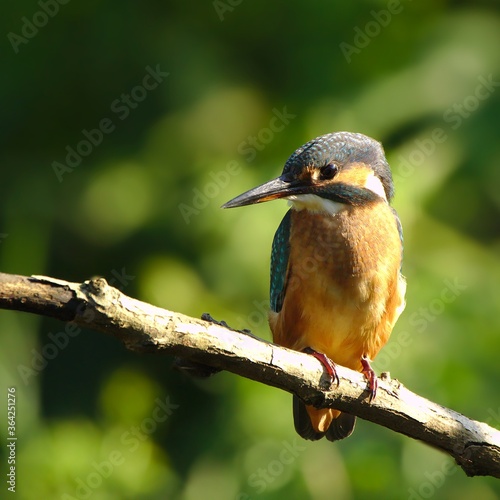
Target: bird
(336,287)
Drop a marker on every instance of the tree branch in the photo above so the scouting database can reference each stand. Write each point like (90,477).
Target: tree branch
(142,327)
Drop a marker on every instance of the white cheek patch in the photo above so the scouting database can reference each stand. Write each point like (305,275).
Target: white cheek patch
(374,184)
(315,203)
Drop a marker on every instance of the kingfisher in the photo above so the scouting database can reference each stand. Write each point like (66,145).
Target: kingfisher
(336,287)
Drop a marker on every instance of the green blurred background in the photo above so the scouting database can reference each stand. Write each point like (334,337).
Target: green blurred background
(141,208)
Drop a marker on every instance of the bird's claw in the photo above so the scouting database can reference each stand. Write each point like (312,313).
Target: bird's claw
(327,363)
(208,317)
(371,377)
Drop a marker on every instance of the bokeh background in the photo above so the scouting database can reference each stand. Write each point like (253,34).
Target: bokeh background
(141,208)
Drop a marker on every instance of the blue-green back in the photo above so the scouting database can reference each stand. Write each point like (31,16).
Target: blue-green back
(279,262)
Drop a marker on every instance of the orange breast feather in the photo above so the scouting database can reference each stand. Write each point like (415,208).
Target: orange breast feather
(344,291)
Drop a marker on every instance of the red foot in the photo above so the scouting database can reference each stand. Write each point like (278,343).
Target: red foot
(326,362)
(370,376)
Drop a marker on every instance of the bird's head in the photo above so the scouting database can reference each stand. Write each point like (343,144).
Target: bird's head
(328,173)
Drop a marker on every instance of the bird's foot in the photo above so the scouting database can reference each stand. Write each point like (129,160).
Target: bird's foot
(208,317)
(370,376)
(326,362)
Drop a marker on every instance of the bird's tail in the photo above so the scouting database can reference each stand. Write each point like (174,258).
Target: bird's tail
(313,424)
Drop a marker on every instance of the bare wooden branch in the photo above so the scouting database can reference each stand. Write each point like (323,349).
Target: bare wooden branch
(145,328)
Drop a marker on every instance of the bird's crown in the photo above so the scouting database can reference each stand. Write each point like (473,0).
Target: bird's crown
(339,150)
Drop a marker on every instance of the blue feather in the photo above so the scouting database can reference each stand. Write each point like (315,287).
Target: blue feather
(400,231)
(279,262)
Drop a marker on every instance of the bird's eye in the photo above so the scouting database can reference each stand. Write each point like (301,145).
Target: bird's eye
(329,171)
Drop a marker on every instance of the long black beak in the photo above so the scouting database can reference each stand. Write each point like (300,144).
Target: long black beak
(280,187)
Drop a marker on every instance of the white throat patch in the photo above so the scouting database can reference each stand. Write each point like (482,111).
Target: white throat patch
(315,203)
(374,184)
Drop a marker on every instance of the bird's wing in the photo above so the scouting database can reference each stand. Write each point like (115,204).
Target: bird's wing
(279,263)
(398,222)
(400,231)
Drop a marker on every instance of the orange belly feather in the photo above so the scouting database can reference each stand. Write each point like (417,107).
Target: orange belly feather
(344,289)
